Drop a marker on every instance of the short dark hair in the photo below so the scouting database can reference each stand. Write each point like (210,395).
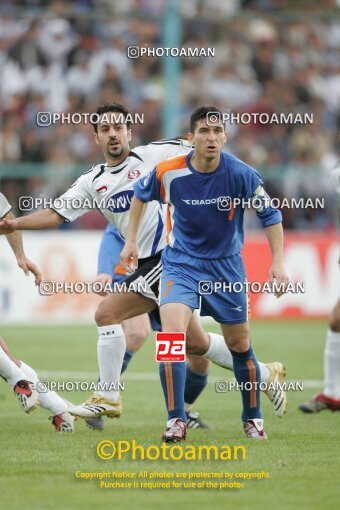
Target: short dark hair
(114,108)
(201,113)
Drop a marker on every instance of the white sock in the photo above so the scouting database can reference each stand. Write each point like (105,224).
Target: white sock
(265,372)
(218,352)
(47,399)
(332,365)
(220,355)
(111,349)
(9,370)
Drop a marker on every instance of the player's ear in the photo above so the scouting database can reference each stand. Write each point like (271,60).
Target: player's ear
(129,135)
(190,137)
(96,138)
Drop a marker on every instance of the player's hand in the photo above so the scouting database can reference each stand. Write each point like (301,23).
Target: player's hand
(28,267)
(105,280)
(277,274)
(8,226)
(129,257)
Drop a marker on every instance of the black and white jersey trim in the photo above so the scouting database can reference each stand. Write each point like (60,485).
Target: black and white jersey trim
(102,170)
(149,271)
(154,275)
(172,141)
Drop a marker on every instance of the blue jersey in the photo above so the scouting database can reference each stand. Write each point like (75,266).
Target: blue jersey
(202,219)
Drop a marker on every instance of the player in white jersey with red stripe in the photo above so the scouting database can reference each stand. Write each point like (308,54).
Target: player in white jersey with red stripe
(20,376)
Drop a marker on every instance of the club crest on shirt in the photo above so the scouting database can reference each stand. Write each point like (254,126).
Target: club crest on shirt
(133,174)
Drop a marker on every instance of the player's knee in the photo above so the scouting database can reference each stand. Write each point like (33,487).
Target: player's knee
(334,321)
(334,324)
(239,343)
(195,349)
(136,338)
(105,315)
(167,328)
(197,344)
(237,336)
(198,364)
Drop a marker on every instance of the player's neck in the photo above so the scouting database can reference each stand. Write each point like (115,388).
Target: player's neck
(117,161)
(204,165)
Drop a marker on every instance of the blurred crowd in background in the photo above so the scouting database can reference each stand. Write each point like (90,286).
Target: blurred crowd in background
(65,56)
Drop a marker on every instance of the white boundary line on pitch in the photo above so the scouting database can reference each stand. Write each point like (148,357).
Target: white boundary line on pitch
(138,376)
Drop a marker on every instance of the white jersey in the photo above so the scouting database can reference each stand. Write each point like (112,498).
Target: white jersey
(4,206)
(111,189)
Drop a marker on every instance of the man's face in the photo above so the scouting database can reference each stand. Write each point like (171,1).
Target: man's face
(114,139)
(208,140)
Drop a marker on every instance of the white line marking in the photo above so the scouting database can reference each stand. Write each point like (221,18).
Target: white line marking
(73,375)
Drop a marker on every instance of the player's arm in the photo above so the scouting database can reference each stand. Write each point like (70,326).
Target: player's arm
(147,189)
(271,219)
(66,208)
(130,250)
(277,271)
(40,220)
(15,242)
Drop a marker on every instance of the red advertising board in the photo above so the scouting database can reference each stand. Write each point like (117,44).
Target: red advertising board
(309,258)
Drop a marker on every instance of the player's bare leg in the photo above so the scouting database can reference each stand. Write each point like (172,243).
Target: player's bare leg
(137,329)
(5,348)
(330,397)
(110,314)
(247,373)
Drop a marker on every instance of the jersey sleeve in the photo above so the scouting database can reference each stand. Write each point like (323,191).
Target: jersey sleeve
(4,206)
(111,245)
(75,202)
(164,149)
(253,182)
(148,188)
(261,202)
(267,214)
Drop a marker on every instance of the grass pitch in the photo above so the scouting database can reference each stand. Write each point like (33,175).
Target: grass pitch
(37,466)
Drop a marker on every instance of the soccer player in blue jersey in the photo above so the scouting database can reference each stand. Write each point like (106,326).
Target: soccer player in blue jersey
(112,184)
(205,236)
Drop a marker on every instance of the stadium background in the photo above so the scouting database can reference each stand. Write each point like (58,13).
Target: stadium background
(69,57)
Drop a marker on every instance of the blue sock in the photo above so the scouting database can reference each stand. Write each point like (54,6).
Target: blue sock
(127,358)
(247,370)
(173,380)
(194,385)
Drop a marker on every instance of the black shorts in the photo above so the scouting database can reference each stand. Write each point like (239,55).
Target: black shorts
(147,276)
